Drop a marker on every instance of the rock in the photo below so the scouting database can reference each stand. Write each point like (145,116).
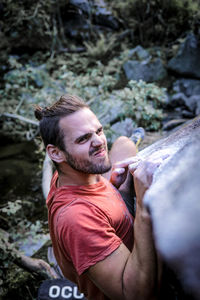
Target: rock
(108,111)
(104,17)
(193,103)
(187,114)
(173,201)
(173,123)
(189,87)
(187,60)
(83,5)
(147,71)
(140,53)
(99,12)
(124,127)
(177,100)
(198,109)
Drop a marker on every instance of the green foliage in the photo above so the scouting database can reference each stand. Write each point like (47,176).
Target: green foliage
(30,83)
(158,20)
(11,208)
(102,48)
(32,23)
(142,102)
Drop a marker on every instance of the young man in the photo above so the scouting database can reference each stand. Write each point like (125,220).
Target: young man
(90,226)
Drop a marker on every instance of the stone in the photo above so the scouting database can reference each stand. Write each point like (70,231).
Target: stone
(188,87)
(124,128)
(193,103)
(177,100)
(147,71)
(173,202)
(187,60)
(100,13)
(108,111)
(173,123)
(140,53)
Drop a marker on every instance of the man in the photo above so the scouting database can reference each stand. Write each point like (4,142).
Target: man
(90,226)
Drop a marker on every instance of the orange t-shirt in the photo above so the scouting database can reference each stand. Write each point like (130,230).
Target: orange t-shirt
(87,223)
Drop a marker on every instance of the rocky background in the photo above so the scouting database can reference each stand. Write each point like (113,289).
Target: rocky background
(137,63)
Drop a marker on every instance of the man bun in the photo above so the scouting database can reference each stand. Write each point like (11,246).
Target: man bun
(39,112)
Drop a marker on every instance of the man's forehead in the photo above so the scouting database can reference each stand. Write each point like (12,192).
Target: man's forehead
(80,122)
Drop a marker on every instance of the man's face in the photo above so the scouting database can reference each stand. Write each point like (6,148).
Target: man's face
(85,143)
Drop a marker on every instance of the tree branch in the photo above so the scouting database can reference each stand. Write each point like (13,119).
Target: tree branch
(33,265)
(18,117)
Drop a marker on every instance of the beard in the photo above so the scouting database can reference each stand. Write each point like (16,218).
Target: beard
(87,166)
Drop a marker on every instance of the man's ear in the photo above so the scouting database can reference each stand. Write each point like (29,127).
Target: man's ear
(55,153)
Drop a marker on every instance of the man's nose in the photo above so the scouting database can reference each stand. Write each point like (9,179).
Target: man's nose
(97,140)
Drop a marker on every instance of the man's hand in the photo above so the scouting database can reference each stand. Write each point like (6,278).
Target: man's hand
(143,172)
(120,169)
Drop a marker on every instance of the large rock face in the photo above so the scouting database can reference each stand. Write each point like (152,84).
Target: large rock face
(174,203)
(187,60)
(147,71)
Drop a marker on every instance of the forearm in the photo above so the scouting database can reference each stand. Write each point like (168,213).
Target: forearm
(140,274)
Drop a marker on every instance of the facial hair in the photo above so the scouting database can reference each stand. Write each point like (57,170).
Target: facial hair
(87,166)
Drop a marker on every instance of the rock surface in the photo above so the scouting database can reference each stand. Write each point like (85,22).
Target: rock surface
(145,70)
(173,200)
(187,60)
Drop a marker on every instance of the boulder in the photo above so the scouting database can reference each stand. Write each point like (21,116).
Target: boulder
(173,201)
(139,53)
(187,60)
(101,15)
(177,100)
(188,87)
(148,71)
(124,127)
(191,103)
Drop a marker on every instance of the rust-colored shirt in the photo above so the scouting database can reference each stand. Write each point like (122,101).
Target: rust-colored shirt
(87,223)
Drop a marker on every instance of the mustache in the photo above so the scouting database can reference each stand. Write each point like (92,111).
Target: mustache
(93,150)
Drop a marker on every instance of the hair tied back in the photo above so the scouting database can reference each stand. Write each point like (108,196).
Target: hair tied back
(39,112)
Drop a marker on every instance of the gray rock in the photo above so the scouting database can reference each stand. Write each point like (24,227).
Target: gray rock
(189,87)
(197,112)
(187,114)
(147,71)
(83,5)
(108,111)
(193,103)
(140,53)
(124,128)
(99,11)
(172,124)
(173,201)
(178,99)
(187,60)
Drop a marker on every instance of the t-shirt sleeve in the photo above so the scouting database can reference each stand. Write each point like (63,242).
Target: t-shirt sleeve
(86,234)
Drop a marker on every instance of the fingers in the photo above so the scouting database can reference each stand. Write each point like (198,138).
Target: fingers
(126,162)
(118,176)
(118,171)
(148,165)
(133,162)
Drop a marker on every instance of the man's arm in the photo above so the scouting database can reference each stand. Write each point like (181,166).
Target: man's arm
(132,275)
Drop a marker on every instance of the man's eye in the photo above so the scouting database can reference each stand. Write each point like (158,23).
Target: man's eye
(100,130)
(83,139)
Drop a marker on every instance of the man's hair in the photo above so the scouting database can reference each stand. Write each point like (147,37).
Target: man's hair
(49,118)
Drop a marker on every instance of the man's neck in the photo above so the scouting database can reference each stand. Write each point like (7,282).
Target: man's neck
(69,176)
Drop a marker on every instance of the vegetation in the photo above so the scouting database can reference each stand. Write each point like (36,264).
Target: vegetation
(158,21)
(40,61)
